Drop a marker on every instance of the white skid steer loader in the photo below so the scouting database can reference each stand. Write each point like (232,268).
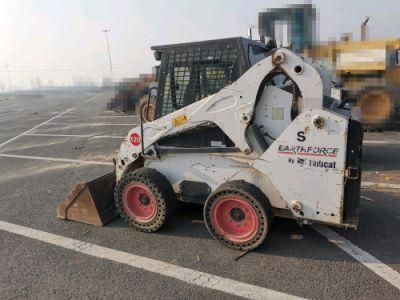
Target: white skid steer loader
(272,143)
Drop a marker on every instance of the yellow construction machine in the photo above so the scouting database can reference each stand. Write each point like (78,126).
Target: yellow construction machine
(371,70)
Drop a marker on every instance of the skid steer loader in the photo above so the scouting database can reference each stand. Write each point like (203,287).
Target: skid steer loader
(271,142)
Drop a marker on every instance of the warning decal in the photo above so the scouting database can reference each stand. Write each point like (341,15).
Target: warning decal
(135,139)
(179,120)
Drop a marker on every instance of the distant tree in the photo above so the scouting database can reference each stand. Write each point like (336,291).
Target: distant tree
(36,83)
(2,87)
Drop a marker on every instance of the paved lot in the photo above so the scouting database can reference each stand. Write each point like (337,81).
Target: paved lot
(294,261)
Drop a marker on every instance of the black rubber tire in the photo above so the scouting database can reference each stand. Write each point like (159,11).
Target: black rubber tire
(145,106)
(161,190)
(252,195)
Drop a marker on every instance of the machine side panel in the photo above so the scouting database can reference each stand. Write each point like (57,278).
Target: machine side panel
(214,169)
(307,165)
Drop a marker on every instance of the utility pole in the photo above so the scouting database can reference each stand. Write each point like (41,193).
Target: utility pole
(105,30)
(9,78)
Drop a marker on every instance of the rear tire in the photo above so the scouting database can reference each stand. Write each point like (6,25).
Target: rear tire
(145,199)
(147,108)
(239,215)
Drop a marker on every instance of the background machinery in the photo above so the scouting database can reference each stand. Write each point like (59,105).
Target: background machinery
(247,131)
(371,70)
(129,92)
(368,69)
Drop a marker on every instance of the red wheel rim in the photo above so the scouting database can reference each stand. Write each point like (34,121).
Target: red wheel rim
(139,202)
(235,219)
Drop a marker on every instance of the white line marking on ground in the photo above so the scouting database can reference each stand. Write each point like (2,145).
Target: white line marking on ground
(94,136)
(380,185)
(92,98)
(67,160)
(382,142)
(187,275)
(372,263)
(101,116)
(117,116)
(41,124)
(90,124)
(36,127)
(107,136)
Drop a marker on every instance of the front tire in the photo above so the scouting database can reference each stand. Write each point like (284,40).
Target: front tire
(145,199)
(238,215)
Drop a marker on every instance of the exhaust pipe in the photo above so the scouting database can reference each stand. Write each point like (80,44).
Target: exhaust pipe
(364,29)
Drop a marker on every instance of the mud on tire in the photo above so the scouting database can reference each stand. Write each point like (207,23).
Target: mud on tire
(145,199)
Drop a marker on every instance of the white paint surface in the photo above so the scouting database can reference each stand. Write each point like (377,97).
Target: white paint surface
(93,136)
(187,275)
(382,142)
(92,98)
(379,185)
(372,263)
(65,160)
(43,123)
(91,124)
(33,128)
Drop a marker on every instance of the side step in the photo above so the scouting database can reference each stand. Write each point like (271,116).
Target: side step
(91,202)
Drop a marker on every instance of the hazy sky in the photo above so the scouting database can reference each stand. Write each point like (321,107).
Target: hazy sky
(60,39)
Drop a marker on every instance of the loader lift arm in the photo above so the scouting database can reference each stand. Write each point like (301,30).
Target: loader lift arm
(232,108)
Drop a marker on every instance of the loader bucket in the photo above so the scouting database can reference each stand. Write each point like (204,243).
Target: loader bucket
(91,202)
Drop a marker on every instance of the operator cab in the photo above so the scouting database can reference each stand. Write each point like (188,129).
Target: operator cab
(192,71)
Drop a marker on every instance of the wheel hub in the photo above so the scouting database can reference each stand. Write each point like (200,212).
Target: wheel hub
(237,214)
(139,202)
(144,199)
(234,219)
